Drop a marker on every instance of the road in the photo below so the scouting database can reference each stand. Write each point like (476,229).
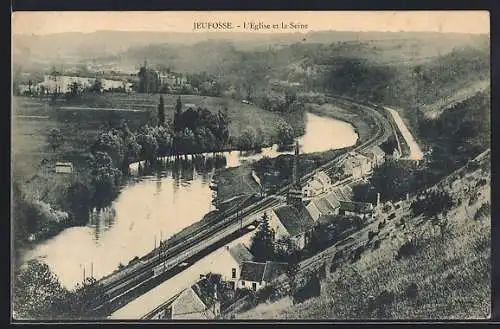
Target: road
(129,284)
(415,152)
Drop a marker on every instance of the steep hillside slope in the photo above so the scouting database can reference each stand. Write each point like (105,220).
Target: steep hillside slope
(444,273)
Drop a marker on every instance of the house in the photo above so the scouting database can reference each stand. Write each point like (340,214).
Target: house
(330,203)
(376,155)
(317,185)
(357,165)
(360,209)
(255,275)
(233,258)
(198,302)
(293,221)
(64,167)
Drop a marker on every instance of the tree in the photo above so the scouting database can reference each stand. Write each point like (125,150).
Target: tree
(55,138)
(111,143)
(246,141)
(96,86)
(393,179)
(285,134)
(177,116)
(105,179)
(262,246)
(74,89)
(161,112)
(37,294)
(149,146)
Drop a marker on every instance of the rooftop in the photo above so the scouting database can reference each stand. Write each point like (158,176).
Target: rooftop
(296,220)
(257,272)
(252,271)
(240,253)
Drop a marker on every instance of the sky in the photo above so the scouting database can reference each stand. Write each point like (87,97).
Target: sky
(42,23)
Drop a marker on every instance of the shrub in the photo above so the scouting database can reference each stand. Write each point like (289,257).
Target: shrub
(411,291)
(371,235)
(381,225)
(407,249)
(483,211)
(481,182)
(376,244)
(385,298)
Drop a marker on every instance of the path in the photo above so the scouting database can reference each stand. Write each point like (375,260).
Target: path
(415,152)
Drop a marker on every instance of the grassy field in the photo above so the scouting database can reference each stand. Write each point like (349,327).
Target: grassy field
(235,181)
(449,274)
(242,115)
(34,117)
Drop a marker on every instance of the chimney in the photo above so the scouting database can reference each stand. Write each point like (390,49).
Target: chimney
(407,196)
(378,200)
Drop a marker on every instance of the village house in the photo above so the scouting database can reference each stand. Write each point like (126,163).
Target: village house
(292,221)
(64,167)
(232,260)
(317,185)
(356,165)
(363,210)
(256,275)
(198,302)
(330,203)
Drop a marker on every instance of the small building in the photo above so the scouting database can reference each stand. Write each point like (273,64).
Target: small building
(363,210)
(198,302)
(357,165)
(233,259)
(255,275)
(317,185)
(64,167)
(330,203)
(292,221)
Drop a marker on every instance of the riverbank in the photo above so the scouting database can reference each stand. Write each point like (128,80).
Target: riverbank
(231,181)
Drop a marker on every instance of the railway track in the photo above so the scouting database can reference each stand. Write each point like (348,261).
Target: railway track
(178,249)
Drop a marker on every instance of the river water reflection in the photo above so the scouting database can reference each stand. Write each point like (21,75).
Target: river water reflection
(158,205)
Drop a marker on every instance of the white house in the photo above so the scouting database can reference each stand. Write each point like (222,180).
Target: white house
(317,185)
(292,221)
(256,275)
(232,260)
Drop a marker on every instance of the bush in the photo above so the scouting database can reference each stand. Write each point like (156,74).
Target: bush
(371,235)
(407,249)
(357,253)
(381,225)
(268,293)
(411,291)
(376,245)
(481,182)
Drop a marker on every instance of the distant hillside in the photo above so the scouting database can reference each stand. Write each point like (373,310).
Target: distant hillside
(104,43)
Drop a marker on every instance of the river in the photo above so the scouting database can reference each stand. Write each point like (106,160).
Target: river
(156,206)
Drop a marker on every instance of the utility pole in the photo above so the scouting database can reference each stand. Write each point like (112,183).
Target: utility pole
(91,270)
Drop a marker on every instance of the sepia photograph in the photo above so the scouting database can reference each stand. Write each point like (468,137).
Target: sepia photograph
(250,165)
